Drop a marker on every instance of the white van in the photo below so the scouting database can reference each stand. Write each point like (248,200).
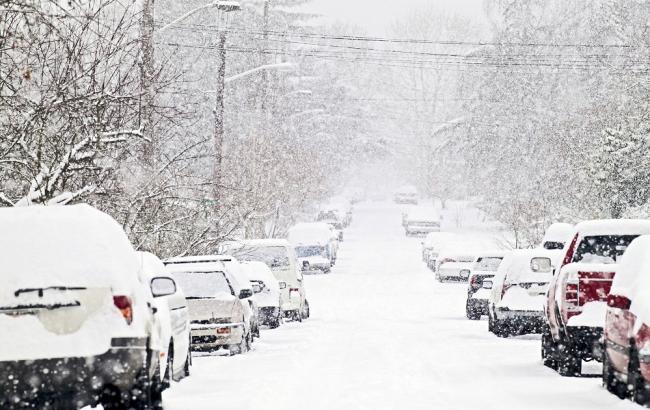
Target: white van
(76,326)
(280,257)
(218,309)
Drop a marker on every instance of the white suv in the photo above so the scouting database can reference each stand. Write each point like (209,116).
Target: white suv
(76,320)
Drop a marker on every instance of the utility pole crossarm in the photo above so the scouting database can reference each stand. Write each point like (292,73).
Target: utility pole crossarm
(226,6)
(278,66)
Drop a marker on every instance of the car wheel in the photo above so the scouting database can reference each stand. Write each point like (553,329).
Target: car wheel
(610,381)
(297,315)
(501,328)
(169,371)
(640,392)
(471,312)
(241,347)
(568,364)
(490,323)
(306,310)
(548,348)
(147,393)
(188,363)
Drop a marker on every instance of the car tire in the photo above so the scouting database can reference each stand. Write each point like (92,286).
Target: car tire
(490,323)
(611,382)
(305,310)
(169,371)
(568,364)
(471,313)
(188,363)
(500,328)
(147,393)
(241,347)
(549,348)
(640,391)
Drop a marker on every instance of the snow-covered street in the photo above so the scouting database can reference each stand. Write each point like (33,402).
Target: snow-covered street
(385,335)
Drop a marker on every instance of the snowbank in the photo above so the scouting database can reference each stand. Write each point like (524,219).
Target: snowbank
(592,315)
(310,233)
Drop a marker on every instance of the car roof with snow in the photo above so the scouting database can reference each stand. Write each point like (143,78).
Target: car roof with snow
(310,233)
(262,242)
(614,227)
(72,245)
(559,232)
(259,271)
(517,263)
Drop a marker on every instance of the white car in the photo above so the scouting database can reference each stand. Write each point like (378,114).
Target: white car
(557,235)
(455,265)
(172,313)
(432,245)
(421,221)
(279,255)
(483,269)
(267,293)
(217,302)
(516,304)
(77,327)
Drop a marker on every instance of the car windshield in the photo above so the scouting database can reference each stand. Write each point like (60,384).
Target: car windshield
(199,285)
(307,251)
(553,245)
(273,256)
(490,264)
(602,249)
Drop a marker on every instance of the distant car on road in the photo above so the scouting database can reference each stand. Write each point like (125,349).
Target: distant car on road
(407,194)
(577,298)
(626,364)
(455,266)
(217,304)
(421,221)
(484,268)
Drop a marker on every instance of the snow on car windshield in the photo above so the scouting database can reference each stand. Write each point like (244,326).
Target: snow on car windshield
(307,251)
(488,264)
(197,285)
(273,256)
(602,249)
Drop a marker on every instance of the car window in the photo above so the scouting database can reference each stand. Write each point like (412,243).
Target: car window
(272,256)
(198,285)
(307,251)
(553,245)
(602,249)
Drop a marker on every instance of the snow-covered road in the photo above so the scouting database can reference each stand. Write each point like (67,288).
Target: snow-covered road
(384,335)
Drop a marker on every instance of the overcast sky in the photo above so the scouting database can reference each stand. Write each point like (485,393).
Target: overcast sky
(374,16)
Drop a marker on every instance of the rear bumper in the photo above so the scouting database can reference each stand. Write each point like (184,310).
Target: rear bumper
(209,337)
(586,341)
(524,319)
(52,383)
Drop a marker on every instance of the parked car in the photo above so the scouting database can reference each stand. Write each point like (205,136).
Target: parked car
(557,235)
(268,297)
(455,266)
(483,268)
(433,242)
(279,255)
(626,368)
(516,304)
(421,221)
(173,315)
(576,300)
(407,194)
(317,234)
(77,328)
(217,304)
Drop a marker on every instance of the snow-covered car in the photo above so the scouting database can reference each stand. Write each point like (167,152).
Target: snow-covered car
(421,221)
(407,194)
(314,258)
(279,255)
(626,368)
(313,234)
(458,269)
(557,235)
(217,302)
(334,218)
(76,324)
(576,302)
(483,268)
(172,314)
(267,294)
(516,304)
(432,243)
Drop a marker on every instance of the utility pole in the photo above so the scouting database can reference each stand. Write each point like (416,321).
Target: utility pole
(147,81)
(265,44)
(219,116)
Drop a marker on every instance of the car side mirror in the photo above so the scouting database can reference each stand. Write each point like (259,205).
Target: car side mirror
(162,287)
(283,285)
(487,284)
(245,293)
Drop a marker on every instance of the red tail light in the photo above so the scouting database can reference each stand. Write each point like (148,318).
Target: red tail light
(124,304)
(505,288)
(473,283)
(571,306)
(620,302)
